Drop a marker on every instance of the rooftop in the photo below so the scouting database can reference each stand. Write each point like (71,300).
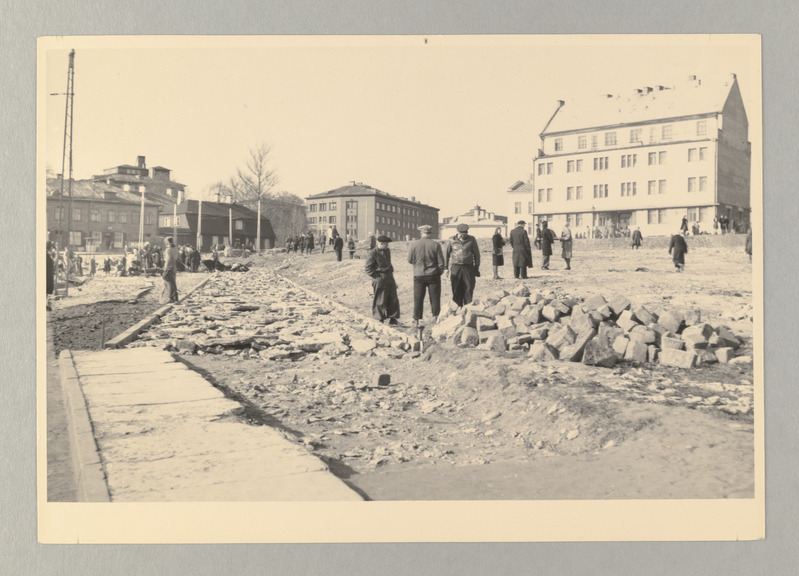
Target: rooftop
(643,104)
(361,189)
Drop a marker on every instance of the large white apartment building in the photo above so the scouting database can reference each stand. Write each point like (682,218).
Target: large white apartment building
(646,159)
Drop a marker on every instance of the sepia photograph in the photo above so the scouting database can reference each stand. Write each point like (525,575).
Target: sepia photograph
(400,288)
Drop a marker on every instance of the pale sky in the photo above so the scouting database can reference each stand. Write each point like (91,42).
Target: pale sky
(453,122)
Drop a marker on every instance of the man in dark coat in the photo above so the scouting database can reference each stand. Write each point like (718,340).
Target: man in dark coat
(547,239)
(497,259)
(338,247)
(684,226)
(522,254)
(428,263)
(638,239)
(678,249)
(463,265)
(50,272)
(385,305)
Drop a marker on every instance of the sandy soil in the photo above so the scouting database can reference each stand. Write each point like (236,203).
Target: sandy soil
(459,423)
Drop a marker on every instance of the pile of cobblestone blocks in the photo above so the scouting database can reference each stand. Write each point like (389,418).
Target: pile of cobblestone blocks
(597,331)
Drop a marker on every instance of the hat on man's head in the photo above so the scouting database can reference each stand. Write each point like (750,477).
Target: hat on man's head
(383,239)
(169,239)
(521,223)
(426,228)
(462,228)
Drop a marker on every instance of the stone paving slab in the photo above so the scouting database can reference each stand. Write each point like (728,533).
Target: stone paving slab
(164,433)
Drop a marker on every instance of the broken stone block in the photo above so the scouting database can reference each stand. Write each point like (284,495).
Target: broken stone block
(706,357)
(627,315)
(539,333)
(499,294)
(609,333)
(542,352)
(619,303)
(506,327)
(495,343)
(520,324)
(594,302)
(470,319)
(724,355)
(574,352)
(620,345)
(671,322)
(626,324)
(550,313)
(581,323)
(643,335)
(446,328)
(741,360)
(561,337)
(561,306)
(726,339)
(485,324)
(452,307)
(532,314)
(495,310)
(469,337)
(521,290)
(186,345)
(644,316)
(674,343)
(652,354)
(524,338)
(696,336)
(605,311)
(382,380)
(598,352)
(636,352)
(595,316)
(677,358)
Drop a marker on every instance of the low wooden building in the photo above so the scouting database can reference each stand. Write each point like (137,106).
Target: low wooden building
(218,218)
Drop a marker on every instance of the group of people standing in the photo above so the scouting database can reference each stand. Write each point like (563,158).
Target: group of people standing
(522,257)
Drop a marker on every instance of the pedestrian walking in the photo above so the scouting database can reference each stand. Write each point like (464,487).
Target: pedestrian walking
(309,243)
(637,238)
(427,258)
(385,303)
(678,249)
(322,241)
(547,238)
(171,256)
(497,258)
(748,245)
(566,245)
(351,247)
(462,260)
(537,241)
(522,254)
(338,247)
(92,267)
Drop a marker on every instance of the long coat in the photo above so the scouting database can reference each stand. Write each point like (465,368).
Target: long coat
(522,254)
(678,249)
(566,243)
(385,303)
(638,239)
(497,242)
(547,238)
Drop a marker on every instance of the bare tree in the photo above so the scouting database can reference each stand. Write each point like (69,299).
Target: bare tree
(256,179)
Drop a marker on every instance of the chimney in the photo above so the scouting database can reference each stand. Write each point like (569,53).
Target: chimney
(141,162)
(217,197)
(660,88)
(692,77)
(352,182)
(413,198)
(648,89)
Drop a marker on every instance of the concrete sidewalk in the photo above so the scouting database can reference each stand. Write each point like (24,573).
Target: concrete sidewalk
(144,427)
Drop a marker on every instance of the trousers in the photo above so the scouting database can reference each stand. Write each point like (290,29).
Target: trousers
(461,278)
(432,285)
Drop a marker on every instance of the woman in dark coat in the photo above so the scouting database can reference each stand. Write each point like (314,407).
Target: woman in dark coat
(385,305)
(338,247)
(547,238)
(522,255)
(678,249)
(566,244)
(497,258)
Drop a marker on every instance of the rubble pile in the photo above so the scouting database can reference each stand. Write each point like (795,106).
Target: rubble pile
(597,331)
(270,319)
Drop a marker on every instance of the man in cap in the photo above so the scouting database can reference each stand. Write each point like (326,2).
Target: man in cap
(548,238)
(522,254)
(463,265)
(428,265)
(170,272)
(385,305)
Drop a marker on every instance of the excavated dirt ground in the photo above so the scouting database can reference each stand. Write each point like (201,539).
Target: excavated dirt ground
(467,424)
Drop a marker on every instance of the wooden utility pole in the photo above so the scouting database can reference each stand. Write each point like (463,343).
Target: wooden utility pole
(200,226)
(70,94)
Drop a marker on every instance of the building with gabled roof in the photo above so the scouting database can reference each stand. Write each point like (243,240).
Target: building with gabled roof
(359,210)
(520,203)
(103,218)
(481,222)
(215,227)
(647,158)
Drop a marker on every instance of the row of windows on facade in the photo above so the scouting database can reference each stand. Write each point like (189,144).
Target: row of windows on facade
(695,184)
(332,206)
(167,222)
(76,238)
(626,161)
(323,206)
(111,216)
(662,132)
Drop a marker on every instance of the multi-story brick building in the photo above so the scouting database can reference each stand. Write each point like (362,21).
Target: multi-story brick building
(647,159)
(360,210)
(103,218)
